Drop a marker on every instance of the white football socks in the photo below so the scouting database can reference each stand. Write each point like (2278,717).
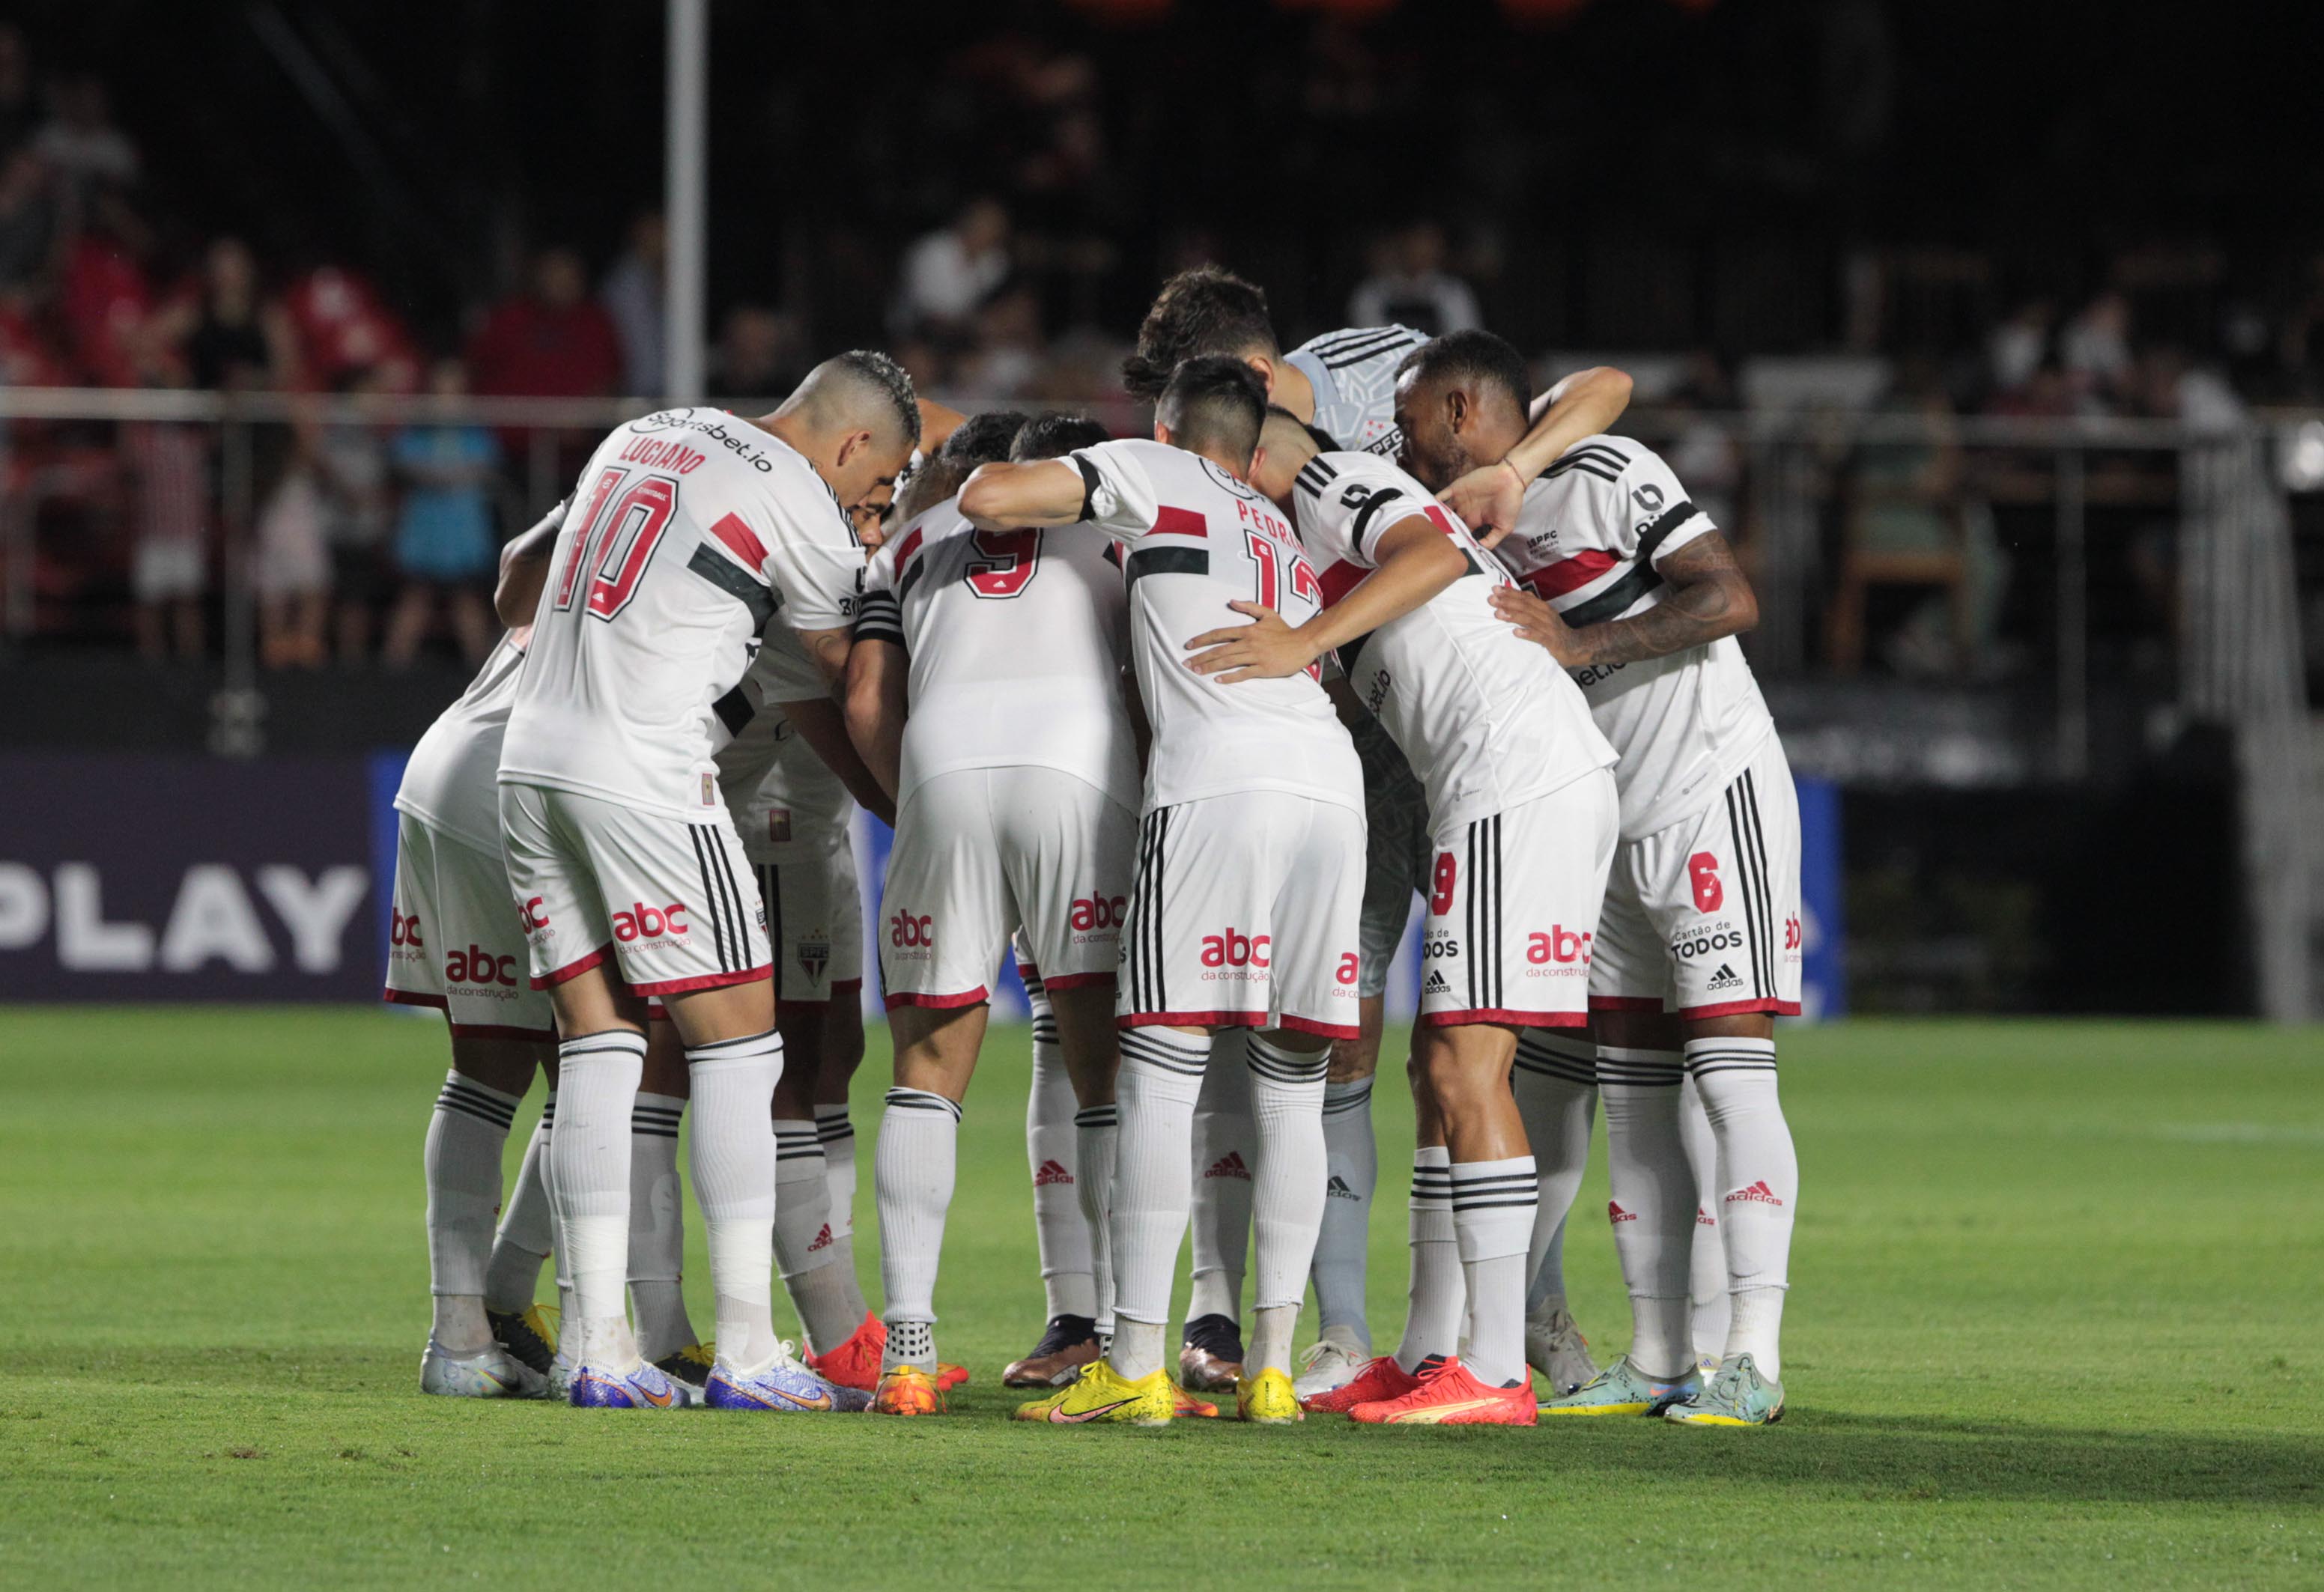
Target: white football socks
(1287,1195)
(913,1168)
(805,1253)
(1437,1294)
(1161,1078)
(462,1161)
(837,1132)
(1226,1143)
(732,1151)
(656,1226)
(528,1229)
(589,1180)
(1759,1170)
(1059,1228)
(1708,1305)
(1097,1134)
(1493,1206)
(1555,1082)
(1652,1209)
(1343,1246)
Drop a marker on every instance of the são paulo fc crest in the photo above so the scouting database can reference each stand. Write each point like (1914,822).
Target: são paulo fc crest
(779,825)
(813,956)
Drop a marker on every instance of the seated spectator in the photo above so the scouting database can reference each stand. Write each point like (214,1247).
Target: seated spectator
(551,340)
(444,541)
(761,353)
(1409,286)
(229,336)
(949,273)
(166,469)
(632,294)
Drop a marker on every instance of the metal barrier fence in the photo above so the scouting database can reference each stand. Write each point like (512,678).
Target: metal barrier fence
(2235,636)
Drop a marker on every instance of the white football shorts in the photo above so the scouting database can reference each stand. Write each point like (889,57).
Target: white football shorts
(671,902)
(453,943)
(815,917)
(1703,918)
(1513,909)
(1244,914)
(981,851)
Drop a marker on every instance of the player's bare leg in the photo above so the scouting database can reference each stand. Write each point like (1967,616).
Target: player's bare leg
(913,1173)
(1733,1060)
(465,1135)
(1343,1343)
(1491,1184)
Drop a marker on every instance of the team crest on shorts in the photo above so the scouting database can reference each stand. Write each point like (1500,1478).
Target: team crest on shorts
(709,791)
(778,827)
(813,956)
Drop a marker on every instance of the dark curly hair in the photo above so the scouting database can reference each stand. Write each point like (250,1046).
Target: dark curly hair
(1206,310)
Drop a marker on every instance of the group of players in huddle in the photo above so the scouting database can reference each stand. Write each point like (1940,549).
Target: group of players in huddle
(1190,720)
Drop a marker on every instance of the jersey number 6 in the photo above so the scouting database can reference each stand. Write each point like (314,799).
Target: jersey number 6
(1004,562)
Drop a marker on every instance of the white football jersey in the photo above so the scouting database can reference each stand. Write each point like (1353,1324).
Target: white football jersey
(1354,373)
(1017,640)
(689,531)
(1486,720)
(1194,539)
(451,782)
(777,787)
(1587,540)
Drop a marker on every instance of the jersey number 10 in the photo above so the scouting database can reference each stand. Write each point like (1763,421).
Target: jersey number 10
(618,533)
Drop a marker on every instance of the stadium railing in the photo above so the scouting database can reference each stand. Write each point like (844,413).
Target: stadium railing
(2238,650)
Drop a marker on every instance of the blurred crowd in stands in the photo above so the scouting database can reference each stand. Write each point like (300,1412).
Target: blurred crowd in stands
(374,542)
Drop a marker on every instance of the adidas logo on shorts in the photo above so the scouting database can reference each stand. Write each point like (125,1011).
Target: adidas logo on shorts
(1436,984)
(1725,979)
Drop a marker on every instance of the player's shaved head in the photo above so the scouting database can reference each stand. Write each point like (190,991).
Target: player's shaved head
(1204,311)
(855,419)
(1460,402)
(1214,406)
(862,387)
(1053,437)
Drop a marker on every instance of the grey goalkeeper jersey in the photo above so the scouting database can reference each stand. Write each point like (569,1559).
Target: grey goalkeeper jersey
(1353,372)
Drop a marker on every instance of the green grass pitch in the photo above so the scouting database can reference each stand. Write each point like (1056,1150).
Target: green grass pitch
(2055,1321)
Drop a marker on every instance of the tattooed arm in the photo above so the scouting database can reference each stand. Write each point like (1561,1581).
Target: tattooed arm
(1710,598)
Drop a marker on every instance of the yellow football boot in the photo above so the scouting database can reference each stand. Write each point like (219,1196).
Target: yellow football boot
(1100,1394)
